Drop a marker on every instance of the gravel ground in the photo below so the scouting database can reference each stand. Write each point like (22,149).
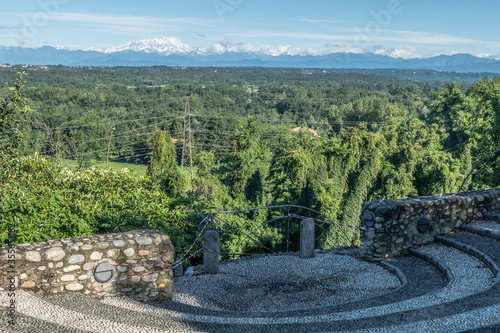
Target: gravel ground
(321,275)
(423,278)
(470,278)
(471,275)
(467,282)
(244,285)
(28,324)
(35,306)
(456,323)
(489,225)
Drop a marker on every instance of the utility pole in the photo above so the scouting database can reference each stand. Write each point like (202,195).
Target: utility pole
(187,138)
(109,146)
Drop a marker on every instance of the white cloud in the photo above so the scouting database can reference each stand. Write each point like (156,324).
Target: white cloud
(132,24)
(364,37)
(495,56)
(10,27)
(313,21)
(405,52)
(418,37)
(295,35)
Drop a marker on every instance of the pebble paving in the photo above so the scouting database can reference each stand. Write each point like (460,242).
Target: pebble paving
(488,225)
(470,301)
(456,323)
(327,279)
(25,323)
(425,279)
(32,305)
(462,265)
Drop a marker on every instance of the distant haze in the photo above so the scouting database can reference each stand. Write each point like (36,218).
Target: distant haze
(148,55)
(405,29)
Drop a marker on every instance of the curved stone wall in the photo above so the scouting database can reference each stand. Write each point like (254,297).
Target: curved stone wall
(68,265)
(441,217)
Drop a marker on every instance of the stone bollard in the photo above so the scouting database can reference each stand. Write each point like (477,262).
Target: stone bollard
(178,271)
(211,252)
(307,239)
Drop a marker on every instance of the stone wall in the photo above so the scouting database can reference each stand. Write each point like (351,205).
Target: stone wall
(68,265)
(442,217)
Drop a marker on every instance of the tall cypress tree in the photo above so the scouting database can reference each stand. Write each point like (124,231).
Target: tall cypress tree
(163,166)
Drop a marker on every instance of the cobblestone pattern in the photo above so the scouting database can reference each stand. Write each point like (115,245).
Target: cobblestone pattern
(486,228)
(474,304)
(68,265)
(243,285)
(445,215)
(29,324)
(423,278)
(470,279)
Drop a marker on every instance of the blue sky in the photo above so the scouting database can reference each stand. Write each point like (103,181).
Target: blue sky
(405,28)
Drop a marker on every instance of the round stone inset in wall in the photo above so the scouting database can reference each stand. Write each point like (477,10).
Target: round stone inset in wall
(104,272)
(369,219)
(423,225)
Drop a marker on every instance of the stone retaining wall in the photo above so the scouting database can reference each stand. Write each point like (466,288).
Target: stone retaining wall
(442,217)
(68,265)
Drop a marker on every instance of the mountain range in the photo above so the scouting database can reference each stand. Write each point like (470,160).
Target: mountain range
(137,55)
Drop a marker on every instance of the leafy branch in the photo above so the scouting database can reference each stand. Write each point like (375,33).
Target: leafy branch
(12,111)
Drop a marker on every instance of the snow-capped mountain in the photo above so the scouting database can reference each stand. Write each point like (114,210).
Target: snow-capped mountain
(163,45)
(171,51)
(172,45)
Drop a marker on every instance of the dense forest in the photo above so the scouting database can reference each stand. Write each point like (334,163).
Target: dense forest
(360,137)
(90,77)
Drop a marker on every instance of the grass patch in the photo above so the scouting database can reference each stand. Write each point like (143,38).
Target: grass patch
(116,166)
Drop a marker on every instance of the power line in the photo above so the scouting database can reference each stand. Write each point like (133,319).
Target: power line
(116,136)
(268,120)
(92,152)
(103,123)
(126,157)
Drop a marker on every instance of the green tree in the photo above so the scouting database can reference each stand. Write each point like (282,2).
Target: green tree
(163,166)
(12,111)
(249,162)
(254,190)
(471,121)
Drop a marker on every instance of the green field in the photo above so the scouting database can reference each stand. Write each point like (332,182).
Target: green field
(114,166)
(118,166)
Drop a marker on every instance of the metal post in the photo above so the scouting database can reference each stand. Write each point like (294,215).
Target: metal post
(307,238)
(178,271)
(211,252)
(288,233)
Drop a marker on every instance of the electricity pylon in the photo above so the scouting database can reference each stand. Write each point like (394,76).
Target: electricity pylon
(187,143)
